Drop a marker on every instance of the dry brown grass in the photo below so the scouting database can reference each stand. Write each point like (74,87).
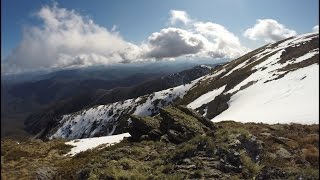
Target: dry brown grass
(311,154)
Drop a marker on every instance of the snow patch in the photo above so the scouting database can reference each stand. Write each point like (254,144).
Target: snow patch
(239,66)
(90,143)
(307,56)
(205,98)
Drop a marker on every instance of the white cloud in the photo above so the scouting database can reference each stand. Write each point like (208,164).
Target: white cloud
(223,43)
(268,30)
(177,16)
(66,39)
(173,42)
(202,40)
(315,28)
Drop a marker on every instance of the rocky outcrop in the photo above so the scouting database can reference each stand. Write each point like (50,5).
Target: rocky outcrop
(147,127)
(173,124)
(198,116)
(217,106)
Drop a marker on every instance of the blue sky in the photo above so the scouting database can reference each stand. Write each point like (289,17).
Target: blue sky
(136,21)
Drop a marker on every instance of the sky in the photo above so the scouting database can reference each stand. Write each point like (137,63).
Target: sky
(46,34)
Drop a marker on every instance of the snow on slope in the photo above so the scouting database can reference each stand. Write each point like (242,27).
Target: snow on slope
(308,55)
(276,90)
(103,120)
(166,97)
(205,98)
(90,143)
(277,94)
(91,121)
(291,99)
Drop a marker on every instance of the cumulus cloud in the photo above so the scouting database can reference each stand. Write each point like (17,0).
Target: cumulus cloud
(268,30)
(173,42)
(179,16)
(203,39)
(315,28)
(67,39)
(221,42)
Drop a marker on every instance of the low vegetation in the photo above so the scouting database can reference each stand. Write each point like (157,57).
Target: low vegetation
(234,151)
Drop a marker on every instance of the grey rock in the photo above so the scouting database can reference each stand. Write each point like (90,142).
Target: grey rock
(253,147)
(45,173)
(186,161)
(271,173)
(283,153)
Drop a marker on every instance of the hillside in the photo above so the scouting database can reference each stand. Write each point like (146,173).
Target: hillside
(38,121)
(69,90)
(177,144)
(277,83)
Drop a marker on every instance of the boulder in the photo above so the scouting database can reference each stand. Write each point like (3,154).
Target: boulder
(179,126)
(253,147)
(230,160)
(145,127)
(198,116)
(173,124)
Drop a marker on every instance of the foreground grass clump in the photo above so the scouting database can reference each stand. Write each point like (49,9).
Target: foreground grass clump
(289,152)
(21,160)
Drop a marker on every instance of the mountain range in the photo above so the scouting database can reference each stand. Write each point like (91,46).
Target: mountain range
(277,83)
(66,91)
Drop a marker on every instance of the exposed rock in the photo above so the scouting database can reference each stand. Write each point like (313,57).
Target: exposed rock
(84,173)
(271,173)
(283,153)
(179,126)
(218,105)
(171,125)
(270,155)
(186,161)
(198,116)
(249,143)
(253,147)
(164,138)
(280,140)
(45,173)
(267,134)
(145,126)
(230,160)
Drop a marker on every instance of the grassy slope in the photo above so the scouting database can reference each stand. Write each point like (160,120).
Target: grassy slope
(159,160)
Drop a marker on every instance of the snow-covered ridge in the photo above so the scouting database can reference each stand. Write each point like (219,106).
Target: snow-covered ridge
(104,119)
(276,91)
(291,99)
(273,92)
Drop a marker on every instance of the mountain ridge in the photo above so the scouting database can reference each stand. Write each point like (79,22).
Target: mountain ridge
(270,64)
(104,97)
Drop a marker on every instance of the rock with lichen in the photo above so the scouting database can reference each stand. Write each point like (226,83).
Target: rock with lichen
(172,124)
